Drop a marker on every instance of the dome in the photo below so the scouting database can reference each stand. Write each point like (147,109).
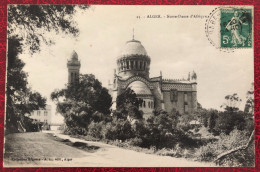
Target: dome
(133,47)
(140,88)
(74,56)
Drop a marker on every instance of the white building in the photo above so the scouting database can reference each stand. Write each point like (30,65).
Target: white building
(42,115)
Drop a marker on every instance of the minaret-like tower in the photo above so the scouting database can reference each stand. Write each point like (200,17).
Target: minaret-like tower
(73,65)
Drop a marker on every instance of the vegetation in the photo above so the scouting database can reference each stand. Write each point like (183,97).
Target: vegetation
(172,134)
(27,26)
(21,99)
(83,102)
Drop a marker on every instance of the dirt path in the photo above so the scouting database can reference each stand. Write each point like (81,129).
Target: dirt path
(43,150)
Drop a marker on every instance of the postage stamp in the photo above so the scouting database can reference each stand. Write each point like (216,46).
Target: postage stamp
(236,28)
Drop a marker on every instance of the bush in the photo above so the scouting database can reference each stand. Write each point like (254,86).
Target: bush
(226,142)
(135,141)
(95,130)
(118,129)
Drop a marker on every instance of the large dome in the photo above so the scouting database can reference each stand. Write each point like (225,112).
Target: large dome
(133,47)
(140,88)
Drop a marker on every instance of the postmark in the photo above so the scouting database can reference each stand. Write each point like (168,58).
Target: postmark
(212,30)
(236,28)
(216,33)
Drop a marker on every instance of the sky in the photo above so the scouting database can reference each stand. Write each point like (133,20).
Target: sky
(176,47)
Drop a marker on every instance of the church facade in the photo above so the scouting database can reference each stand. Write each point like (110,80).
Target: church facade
(133,67)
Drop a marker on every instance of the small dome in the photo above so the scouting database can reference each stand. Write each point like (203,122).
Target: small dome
(74,56)
(140,88)
(133,47)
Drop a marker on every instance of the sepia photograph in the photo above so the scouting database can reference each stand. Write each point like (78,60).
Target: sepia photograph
(129,86)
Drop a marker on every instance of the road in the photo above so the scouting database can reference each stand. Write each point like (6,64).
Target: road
(45,150)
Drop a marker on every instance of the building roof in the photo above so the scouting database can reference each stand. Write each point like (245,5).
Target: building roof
(74,56)
(140,88)
(133,47)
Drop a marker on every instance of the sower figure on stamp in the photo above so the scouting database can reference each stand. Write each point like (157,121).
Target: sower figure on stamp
(235,25)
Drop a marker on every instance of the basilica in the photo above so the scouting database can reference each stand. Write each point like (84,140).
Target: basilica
(133,66)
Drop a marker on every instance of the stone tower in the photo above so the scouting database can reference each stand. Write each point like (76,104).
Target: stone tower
(73,65)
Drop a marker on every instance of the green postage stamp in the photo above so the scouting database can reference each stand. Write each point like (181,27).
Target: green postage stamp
(236,28)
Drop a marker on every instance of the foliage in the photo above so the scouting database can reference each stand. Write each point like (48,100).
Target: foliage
(127,105)
(118,129)
(212,120)
(228,121)
(232,103)
(249,107)
(227,142)
(83,102)
(95,130)
(20,98)
(27,26)
(31,22)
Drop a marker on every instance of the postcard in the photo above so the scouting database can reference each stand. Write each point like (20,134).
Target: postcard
(129,86)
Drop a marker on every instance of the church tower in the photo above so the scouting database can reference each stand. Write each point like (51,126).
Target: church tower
(73,65)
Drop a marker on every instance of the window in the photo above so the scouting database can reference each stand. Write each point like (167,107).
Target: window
(144,65)
(39,113)
(149,105)
(140,103)
(185,108)
(127,64)
(45,113)
(174,95)
(132,64)
(141,65)
(144,103)
(185,97)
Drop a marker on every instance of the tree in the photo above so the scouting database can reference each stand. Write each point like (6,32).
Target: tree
(27,26)
(250,105)
(212,120)
(127,104)
(232,103)
(31,22)
(164,130)
(82,102)
(20,98)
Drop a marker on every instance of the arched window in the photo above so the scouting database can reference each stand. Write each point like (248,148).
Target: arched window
(71,76)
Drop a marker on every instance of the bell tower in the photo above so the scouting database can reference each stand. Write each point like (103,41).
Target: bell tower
(73,66)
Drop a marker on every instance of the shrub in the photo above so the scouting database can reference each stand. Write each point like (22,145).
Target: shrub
(118,129)
(95,129)
(135,141)
(226,142)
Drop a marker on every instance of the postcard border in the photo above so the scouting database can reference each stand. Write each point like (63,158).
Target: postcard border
(3,24)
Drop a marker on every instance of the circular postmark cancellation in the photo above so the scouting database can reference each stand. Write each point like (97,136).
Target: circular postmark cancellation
(230,28)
